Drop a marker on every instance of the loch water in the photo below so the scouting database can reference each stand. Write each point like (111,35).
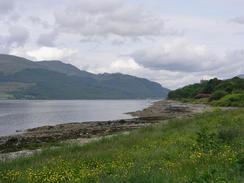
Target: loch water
(19,115)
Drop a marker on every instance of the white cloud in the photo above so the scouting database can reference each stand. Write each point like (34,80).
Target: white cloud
(128,64)
(49,53)
(122,65)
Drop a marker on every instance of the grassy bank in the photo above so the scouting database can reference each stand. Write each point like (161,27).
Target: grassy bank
(224,93)
(231,100)
(206,148)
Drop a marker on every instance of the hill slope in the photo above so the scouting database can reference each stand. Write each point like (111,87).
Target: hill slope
(23,79)
(68,69)
(11,64)
(228,92)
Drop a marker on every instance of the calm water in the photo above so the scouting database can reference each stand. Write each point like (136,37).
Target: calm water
(21,115)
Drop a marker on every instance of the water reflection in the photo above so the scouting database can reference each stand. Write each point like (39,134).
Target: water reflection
(21,115)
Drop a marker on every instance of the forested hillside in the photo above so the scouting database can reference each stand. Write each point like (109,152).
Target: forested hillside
(24,79)
(217,92)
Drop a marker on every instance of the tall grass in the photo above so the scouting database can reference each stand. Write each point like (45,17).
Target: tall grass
(235,100)
(206,148)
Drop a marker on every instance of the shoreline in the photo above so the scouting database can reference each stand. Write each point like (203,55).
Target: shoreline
(41,136)
(18,116)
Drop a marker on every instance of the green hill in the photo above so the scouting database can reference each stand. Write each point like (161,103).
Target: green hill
(228,92)
(23,79)
(68,69)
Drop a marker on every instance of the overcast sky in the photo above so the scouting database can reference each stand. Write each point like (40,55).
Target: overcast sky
(172,42)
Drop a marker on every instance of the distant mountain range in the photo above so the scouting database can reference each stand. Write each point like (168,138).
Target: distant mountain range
(21,78)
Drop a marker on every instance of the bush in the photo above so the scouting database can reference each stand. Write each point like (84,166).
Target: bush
(228,135)
(218,95)
(235,100)
(207,141)
(240,161)
(218,89)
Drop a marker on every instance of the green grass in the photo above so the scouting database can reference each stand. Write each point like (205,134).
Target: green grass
(230,100)
(206,148)
(235,100)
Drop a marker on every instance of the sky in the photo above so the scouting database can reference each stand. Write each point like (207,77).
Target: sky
(171,42)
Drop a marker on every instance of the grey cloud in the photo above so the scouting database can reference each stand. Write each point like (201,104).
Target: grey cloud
(233,65)
(179,72)
(107,18)
(190,60)
(96,6)
(47,39)
(35,20)
(237,55)
(17,37)
(175,61)
(239,20)
(166,62)
(6,6)
(14,18)
(239,34)
(38,21)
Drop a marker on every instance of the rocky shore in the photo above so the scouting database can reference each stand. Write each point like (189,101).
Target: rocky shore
(157,112)
(166,109)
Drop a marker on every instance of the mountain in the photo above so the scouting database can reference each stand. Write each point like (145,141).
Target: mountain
(21,78)
(12,64)
(68,69)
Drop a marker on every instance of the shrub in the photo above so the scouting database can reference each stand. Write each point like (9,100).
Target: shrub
(207,141)
(218,95)
(236,100)
(228,135)
(240,161)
